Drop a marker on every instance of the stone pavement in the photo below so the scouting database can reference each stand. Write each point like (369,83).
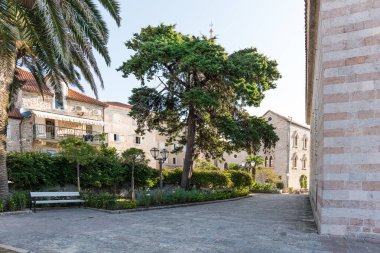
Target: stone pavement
(263,223)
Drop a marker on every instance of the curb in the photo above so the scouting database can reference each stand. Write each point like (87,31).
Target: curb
(140,209)
(15,213)
(11,248)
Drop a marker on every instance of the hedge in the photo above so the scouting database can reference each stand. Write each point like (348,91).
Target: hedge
(211,178)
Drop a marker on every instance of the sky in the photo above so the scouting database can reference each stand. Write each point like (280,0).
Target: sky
(274,27)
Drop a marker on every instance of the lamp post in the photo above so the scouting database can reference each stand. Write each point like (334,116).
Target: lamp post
(160,156)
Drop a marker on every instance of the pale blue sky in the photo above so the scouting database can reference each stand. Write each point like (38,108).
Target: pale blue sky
(275,27)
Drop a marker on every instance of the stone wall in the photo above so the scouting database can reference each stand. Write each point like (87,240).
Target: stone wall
(346,116)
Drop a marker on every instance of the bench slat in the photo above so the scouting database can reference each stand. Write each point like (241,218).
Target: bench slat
(54,194)
(59,201)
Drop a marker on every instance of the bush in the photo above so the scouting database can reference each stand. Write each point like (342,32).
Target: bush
(264,188)
(234,166)
(18,201)
(280,185)
(181,196)
(303,182)
(2,205)
(240,178)
(32,170)
(210,179)
(108,201)
(266,175)
(204,165)
(172,177)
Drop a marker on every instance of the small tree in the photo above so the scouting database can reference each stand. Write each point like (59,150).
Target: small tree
(303,182)
(134,156)
(257,160)
(78,152)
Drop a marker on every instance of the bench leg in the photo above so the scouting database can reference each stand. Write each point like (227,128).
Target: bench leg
(34,206)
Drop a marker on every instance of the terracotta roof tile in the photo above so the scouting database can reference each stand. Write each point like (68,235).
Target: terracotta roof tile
(74,95)
(31,84)
(119,104)
(15,114)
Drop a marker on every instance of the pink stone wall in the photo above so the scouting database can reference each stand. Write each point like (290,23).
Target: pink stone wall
(345,187)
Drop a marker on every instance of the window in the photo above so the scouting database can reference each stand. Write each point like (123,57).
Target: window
(270,161)
(304,162)
(138,140)
(235,156)
(116,137)
(58,101)
(174,160)
(294,160)
(270,119)
(295,139)
(305,142)
(88,129)
(266,162)
(225,166)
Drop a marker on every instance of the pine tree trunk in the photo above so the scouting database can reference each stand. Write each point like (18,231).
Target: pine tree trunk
(7,69)
(188,163)
(133,194)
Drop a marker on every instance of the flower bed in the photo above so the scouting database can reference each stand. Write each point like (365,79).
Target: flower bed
(160,198)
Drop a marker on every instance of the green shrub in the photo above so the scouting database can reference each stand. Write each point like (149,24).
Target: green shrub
(204,165)
(181,196)
(280,185)
(172,177)
(210,179)
(18,201)
(234,166)
(108,201)
(303,182)
(32,170)
(266,175)
(2,205)
(240,178)
(265,188)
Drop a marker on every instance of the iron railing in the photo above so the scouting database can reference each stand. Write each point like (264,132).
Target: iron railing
(46,132)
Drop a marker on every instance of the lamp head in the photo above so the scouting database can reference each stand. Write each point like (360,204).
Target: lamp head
(154,152)
(164,154)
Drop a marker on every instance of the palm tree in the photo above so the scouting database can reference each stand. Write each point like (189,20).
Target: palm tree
(54,39)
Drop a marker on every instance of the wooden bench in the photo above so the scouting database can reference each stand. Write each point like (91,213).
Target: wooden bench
(40,198)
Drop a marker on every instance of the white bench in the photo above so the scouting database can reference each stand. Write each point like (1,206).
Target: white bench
(40,198)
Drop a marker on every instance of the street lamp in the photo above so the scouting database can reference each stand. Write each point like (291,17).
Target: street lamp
(160,156)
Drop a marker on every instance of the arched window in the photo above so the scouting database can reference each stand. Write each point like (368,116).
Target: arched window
(225,166)
(270,161)
(294,161)
(295,139)
(304,142)
(266,161)
(304,162)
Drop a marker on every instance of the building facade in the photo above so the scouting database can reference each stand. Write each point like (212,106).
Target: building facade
(120,129)
(343,107)
(290,159)
(39,122)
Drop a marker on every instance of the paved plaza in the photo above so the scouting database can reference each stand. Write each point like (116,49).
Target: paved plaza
(262,223)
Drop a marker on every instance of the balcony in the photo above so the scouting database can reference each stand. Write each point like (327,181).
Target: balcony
(56,134)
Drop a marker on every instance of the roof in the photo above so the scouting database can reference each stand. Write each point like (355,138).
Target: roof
(32,86)
(77,96)
(119,104)
(288,119)
(15,114)
(31,83)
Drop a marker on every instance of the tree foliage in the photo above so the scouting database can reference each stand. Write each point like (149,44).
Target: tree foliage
(201,95)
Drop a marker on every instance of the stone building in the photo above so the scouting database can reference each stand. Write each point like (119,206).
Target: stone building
(343,107)
(290,159)
(39,122)
(120,128)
